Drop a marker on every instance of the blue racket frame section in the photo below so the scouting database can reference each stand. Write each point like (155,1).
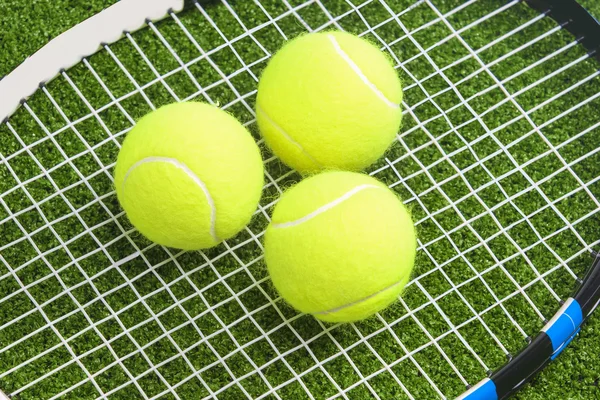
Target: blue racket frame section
(554,337)
(550,342)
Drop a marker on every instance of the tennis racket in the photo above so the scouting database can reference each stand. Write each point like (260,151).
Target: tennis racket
(498,160)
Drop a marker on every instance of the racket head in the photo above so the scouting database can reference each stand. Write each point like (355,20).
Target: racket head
(497,159)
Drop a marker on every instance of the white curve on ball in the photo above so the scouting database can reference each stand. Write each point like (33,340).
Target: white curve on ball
(326,207)
(191,175)
(360,74)
(259,109)
(353,303)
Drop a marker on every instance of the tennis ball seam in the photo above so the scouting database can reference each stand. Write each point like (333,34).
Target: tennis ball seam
(359,73)
(278,128)
(327,206)
(359,301)
(178,164)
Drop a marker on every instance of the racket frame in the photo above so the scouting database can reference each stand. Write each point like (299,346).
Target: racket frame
(108,26)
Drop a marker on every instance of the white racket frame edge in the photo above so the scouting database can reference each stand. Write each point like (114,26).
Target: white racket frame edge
(70,47)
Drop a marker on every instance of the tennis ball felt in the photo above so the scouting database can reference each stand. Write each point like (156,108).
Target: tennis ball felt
(329,101)
(340,246)
(189,175)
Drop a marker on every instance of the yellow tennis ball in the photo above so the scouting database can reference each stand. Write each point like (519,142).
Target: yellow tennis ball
(340,246)
(189,175)
(329,101)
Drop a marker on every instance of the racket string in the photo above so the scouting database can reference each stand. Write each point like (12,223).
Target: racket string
(404,183)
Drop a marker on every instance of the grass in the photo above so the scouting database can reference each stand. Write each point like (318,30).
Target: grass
(64,237)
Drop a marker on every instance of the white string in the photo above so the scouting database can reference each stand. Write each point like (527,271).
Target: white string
(113,241)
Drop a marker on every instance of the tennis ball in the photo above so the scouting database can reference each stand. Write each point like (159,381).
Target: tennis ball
(329,101)
(340,246)
(189,176)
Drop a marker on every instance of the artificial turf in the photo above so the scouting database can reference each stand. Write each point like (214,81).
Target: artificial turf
(64,236)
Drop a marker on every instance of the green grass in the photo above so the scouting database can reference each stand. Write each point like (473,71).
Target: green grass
(71,216)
